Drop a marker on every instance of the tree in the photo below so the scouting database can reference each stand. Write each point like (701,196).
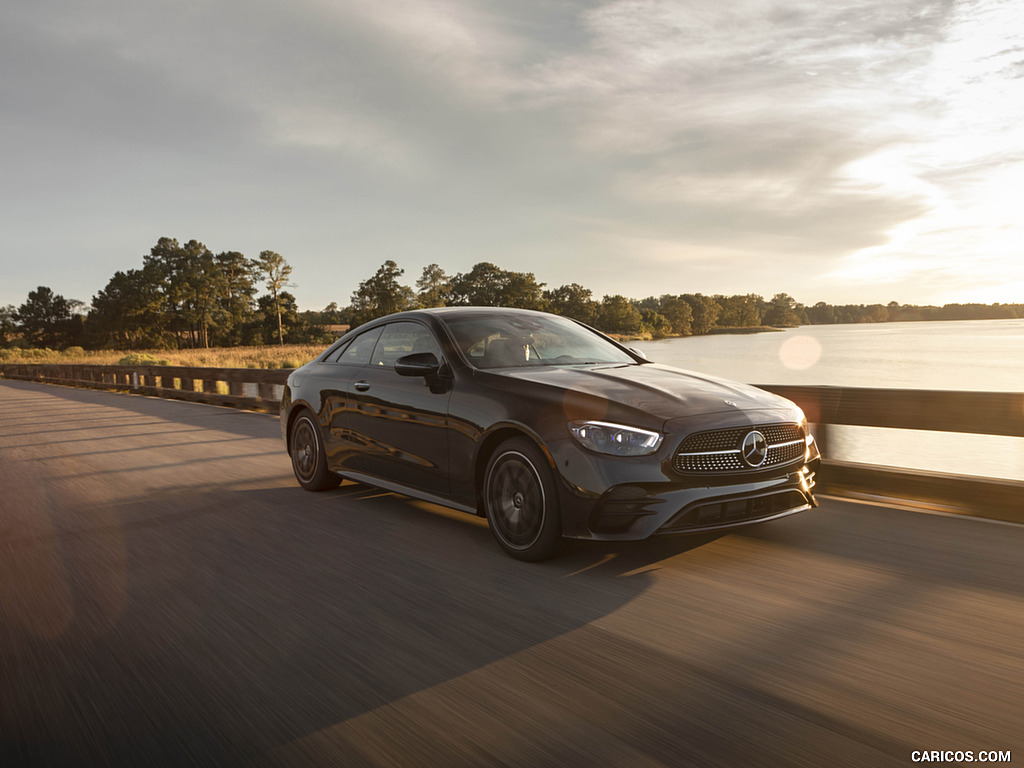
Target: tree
(655,323)
(619,315)
(704,309)
(801,313)
(238,277)
(277,272)
(482,286)
(487,285)
(381,294)
(192,285)
(821,314)
(331,314)
(677,311)
(522,290)
(202,286)
(279,318)
(8,325)
(782,311)
(573,301)
(739,311)
(127,312)
(876,313)
(48,319)
(432,288)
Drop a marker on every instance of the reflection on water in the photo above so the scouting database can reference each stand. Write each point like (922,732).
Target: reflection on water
(984,455)
(982,355)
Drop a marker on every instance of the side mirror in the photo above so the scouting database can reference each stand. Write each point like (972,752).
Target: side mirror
(637,352)
(418,364)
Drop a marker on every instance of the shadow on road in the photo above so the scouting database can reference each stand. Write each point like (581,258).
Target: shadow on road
(183,602)
(216,622)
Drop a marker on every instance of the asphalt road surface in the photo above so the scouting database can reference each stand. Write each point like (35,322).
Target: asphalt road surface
(168,595)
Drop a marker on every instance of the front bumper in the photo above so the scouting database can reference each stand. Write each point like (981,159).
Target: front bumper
(606,498)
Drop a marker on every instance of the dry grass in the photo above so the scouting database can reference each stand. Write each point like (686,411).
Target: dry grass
(288,356)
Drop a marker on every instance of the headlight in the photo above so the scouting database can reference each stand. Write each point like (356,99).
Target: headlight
(615,439)
(810,450)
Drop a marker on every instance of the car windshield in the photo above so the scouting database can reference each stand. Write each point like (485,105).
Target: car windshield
(521,340)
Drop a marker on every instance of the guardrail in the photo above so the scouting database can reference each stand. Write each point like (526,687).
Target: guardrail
(986,413)
(981,413)
(252,388)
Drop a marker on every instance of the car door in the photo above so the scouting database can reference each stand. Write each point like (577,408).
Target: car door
(333,378)
(398,425)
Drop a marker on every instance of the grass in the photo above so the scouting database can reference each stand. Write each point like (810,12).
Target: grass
(288,356)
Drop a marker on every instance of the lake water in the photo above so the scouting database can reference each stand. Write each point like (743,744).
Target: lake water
(980,355)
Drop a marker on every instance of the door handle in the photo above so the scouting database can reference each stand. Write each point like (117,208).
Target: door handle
(361,386)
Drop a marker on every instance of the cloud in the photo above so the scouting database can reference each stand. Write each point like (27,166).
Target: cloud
(656,69)
(452,41)
(715,143)
(709,109)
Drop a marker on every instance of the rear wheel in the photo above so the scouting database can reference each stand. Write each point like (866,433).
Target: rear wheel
(521,502)
(309,462)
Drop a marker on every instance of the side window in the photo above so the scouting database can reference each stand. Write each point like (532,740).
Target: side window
(477,349)
(359,350)
(335,356)
(401,339)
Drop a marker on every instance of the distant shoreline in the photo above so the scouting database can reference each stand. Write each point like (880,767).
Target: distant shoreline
(748,329)
(735,329)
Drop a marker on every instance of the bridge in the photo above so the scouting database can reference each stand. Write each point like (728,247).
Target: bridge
(169,595)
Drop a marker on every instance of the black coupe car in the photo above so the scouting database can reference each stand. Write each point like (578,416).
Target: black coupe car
(544,426)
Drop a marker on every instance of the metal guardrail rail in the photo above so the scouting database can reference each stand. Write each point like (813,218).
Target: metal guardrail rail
(252,388)
(986,413)
(980,413)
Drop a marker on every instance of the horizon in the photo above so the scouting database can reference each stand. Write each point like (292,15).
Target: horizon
(86,306)
(856,155)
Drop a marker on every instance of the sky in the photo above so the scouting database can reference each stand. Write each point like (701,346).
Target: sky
(855,152)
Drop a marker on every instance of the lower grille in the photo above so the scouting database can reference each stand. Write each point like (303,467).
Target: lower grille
(734,511)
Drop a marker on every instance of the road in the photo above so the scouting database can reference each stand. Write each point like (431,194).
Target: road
(169,596)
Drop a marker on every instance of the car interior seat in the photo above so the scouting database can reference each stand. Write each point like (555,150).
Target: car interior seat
(504,352)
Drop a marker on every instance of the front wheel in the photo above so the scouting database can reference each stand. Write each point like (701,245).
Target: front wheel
(309,461)
(521,501)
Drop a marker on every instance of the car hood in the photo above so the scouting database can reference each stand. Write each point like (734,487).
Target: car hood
(658,390)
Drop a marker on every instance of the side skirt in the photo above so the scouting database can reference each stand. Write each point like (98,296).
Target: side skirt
(415,493)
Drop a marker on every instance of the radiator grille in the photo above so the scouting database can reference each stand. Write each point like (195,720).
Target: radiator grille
(719,450)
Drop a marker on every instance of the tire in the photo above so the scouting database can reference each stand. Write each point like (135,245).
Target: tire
(309,462)
(521,501)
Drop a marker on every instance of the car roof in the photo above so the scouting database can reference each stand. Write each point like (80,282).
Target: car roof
(474,310)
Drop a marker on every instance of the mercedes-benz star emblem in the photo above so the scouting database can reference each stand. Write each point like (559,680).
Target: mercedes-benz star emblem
(754,449)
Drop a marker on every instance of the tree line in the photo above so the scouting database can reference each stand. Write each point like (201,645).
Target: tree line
(184,295)
(657,316)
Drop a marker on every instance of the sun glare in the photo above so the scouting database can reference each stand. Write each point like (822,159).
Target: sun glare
(799,353)
(963,168)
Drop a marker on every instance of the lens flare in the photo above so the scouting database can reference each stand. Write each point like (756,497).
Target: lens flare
(800,352)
